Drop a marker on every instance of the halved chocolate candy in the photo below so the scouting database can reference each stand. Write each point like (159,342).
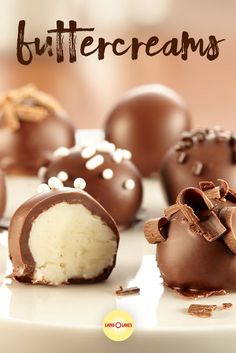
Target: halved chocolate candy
(62,236)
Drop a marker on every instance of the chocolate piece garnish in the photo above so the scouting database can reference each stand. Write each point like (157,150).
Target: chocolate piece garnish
(224,187)
(198,294)
(150,112)
(206,185)
(202,311)
(127,291)
(225,306)
(155,230)
(226,215)
(182,157)
(197,168)
(169,211)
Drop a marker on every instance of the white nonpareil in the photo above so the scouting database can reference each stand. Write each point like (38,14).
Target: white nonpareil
(67,241)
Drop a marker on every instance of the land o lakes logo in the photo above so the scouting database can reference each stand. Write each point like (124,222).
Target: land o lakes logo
(118,325)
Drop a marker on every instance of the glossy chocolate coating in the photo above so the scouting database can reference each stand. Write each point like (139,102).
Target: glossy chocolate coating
(120,202)
(25,150)
(21,224)
(189,260)
(2,193)
(147,121)
(208,155)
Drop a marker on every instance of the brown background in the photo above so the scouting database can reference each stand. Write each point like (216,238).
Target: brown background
(89,88)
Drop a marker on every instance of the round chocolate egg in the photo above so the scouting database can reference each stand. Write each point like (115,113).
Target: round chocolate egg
(62,236)
(207,154)
(196,239)
(147,121)
(111,177)
(2,193)
(32,126)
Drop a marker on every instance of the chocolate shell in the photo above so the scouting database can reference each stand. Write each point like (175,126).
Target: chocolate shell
(147,121)
(111,177)
(207,154)
(62,236)
(32,126)
(2,193)
(196,239)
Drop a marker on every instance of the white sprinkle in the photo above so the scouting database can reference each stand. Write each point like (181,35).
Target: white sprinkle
(88,152)
(62,176)
(129,184)
(61,152)
(43,188)
(41,172)
(107,174)
(105,146)
(118,155)
(94,162)
(79,183)
(55,183)
(127,154)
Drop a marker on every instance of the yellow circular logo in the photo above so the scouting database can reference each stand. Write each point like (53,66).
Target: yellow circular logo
(118,325)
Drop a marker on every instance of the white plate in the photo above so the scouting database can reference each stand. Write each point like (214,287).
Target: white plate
(36,319)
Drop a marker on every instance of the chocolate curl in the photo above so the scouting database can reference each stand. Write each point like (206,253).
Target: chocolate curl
(201,217)
(231,196)
(169,211)
(226,215)
(210,190)
(224,187)
(15,106)
(155,230)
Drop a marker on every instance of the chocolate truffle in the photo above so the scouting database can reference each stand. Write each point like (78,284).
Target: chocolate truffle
(207,154)
(2,193)
(196,239)
(62,236)
(32,126)
(147,121)
(111,177)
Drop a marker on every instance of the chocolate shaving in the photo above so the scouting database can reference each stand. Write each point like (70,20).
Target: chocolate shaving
(127,291)
(225,306)
(197,168)
(26,104)
(211,228)
(206,311)
(224,187)
(233,156)
(226,215)
(182,157)
(198,294)
(206,185)
(231,196)
(156,230)
(203,311)
(213,193)
(169,211)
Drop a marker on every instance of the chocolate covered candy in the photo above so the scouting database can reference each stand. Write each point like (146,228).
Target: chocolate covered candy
(2,193)
(111,177)
(62,236)
(196,239)
(147,121)
(32,126)
(207,154)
